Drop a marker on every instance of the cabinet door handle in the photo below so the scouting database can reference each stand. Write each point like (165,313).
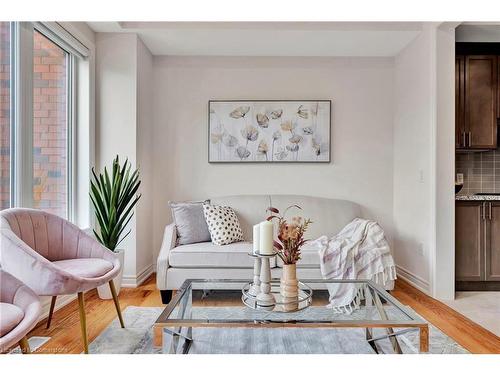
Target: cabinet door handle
(470,137)
(464,144)
(490,211)
(483,211)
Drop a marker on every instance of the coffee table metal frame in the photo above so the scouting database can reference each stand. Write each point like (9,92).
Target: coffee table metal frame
(175,334)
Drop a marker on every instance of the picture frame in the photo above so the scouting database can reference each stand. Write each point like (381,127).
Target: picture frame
(269,131)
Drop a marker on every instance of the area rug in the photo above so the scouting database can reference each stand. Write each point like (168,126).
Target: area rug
(137,338)
(34,342)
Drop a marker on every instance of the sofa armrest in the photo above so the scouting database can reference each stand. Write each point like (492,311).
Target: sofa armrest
(169,242)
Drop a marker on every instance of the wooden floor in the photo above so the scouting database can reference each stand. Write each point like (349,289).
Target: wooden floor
(65,329)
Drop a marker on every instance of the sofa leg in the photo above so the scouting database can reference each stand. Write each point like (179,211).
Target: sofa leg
(166,296)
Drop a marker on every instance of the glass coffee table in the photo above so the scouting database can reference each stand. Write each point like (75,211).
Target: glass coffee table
(217,304)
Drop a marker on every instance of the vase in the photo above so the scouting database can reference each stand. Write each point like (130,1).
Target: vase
(289,285)
(104,291)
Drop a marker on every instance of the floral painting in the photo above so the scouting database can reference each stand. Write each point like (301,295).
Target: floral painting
(269,131)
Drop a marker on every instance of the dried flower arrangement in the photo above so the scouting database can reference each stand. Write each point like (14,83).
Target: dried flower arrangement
(290,234)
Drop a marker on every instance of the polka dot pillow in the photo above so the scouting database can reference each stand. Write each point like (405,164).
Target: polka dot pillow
(223,224)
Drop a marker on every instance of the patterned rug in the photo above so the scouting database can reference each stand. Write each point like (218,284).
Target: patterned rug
(137,338)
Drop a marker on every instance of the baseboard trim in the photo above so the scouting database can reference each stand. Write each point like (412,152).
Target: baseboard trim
(61,301)
(130,281)
(413,280)
(144,274)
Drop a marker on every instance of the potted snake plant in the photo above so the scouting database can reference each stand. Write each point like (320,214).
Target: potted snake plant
(114,198)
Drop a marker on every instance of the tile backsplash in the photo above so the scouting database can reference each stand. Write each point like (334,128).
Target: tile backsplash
(481,171)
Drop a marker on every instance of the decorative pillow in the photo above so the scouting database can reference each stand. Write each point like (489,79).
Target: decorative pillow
(190,222)
(223,224)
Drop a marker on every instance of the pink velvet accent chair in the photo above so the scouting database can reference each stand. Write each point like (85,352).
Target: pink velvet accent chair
(54,257)
(19,312)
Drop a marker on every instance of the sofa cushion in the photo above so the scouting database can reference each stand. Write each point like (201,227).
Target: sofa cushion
(190,222)
(10,317)
(85,267)
(207,254)
(223,224)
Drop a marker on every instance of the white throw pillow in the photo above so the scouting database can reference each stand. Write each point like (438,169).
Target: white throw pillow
(223,224)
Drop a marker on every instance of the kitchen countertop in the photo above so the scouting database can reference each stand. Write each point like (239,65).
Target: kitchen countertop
(473,197)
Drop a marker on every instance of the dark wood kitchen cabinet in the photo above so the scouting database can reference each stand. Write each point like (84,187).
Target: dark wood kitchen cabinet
(492,263)
(469,241)
(477,245)
(476,101)
(459,101)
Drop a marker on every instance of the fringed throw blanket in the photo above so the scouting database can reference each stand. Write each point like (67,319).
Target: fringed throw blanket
(359,251)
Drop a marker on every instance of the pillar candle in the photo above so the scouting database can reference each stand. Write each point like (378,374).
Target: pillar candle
(266,238)
(256,238)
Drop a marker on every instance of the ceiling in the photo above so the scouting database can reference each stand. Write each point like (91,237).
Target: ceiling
(269,38)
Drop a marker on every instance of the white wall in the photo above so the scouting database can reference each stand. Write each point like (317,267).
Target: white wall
(443,282)
(392,139)
(124,120)
(361,90)
(413,114)
(424,158)
(144,211)
(116,114)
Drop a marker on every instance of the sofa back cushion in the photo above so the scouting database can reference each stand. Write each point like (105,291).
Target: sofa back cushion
(329,216)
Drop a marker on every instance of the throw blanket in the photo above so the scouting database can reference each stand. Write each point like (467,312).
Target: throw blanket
(359,251)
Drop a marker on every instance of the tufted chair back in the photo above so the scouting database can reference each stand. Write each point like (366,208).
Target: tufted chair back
(49,235)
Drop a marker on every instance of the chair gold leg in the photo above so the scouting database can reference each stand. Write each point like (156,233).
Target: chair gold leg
(25,346)
(51,311)
(83,322)
(117,303)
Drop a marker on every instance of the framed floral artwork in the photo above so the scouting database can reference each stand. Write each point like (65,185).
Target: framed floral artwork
(269,131)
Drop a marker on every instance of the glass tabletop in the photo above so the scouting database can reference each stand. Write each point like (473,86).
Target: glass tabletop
(206,303)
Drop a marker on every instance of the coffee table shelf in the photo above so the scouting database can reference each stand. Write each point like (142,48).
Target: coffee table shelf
(282,304)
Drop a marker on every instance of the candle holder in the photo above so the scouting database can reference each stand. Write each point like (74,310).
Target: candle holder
(261,287)
(281,304)
(255,286)
(265,299)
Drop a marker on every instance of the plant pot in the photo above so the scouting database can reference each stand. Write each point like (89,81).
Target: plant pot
(104,291)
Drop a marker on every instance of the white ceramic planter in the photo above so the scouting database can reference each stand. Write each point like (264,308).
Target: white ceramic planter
(103,290)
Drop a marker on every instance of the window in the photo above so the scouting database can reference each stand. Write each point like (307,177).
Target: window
(38,119)
(50,126)
(5,116)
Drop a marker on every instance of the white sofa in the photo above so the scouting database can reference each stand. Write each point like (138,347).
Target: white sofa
(208,261)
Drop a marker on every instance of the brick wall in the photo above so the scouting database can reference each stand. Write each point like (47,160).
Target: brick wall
(49,123)
(49,126)
(4,115)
